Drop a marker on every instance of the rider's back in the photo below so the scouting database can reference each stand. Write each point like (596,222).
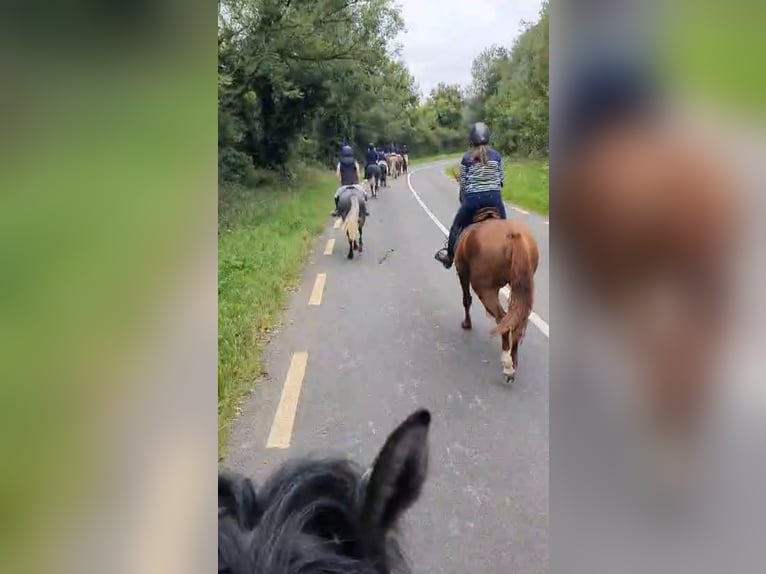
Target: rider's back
(348,174)
(477,176)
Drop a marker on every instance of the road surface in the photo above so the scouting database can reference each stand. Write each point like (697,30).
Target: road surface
(365,342)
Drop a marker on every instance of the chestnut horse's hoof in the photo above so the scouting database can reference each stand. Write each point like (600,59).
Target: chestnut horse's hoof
(466,325)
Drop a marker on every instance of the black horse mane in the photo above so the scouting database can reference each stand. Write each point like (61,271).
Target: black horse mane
(323,515)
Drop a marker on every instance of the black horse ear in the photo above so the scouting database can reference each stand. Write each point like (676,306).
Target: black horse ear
(237,498)
(398,473)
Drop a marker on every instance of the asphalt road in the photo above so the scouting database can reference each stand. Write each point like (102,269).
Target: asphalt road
(385,339)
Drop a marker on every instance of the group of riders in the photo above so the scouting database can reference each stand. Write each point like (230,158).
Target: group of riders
(480,178)
(379,162)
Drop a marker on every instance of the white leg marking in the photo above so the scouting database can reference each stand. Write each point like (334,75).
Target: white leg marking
(507,361)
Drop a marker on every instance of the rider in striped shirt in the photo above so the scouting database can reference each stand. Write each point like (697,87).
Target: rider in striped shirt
(481,181)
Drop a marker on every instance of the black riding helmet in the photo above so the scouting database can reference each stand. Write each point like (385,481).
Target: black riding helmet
(371,146)
(346,151)
(479,134)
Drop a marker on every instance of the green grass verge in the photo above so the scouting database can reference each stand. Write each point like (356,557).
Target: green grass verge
(264,237)
(526,183)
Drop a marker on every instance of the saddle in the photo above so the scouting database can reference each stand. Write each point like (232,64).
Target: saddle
(486,213)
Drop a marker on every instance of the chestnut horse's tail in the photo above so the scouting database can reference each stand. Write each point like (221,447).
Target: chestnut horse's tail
(351,225)
(522,282)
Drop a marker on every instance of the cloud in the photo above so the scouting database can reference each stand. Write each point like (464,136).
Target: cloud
(444,36)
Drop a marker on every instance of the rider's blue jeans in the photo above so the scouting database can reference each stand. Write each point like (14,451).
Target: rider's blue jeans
(473,202)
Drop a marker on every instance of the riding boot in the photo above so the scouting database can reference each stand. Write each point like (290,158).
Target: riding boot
(446,255)
(335,213)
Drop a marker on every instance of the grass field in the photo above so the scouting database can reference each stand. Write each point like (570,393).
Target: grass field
(264,236)
(526,183)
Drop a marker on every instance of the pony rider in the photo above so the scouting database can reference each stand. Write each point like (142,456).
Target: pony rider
(349,174)
(481,179)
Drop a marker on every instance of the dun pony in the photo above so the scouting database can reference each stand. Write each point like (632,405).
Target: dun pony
(352,227)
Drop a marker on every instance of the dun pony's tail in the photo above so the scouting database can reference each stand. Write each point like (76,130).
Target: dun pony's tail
(522,284)
(351,225)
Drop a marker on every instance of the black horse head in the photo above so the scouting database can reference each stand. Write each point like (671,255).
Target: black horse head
(324,515)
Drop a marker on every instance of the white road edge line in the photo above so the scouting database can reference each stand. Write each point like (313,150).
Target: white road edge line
(537,321)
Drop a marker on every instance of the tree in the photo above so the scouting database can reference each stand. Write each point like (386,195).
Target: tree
(297,79)
(510,90)
(283,63)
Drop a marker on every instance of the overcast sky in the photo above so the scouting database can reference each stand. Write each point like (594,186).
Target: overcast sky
(444,36)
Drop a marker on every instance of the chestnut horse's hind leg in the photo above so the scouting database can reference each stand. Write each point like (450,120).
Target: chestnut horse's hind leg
(514,352)
(465,283)
(491,302)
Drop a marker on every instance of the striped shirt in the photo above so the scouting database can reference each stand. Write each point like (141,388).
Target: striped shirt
(478,177)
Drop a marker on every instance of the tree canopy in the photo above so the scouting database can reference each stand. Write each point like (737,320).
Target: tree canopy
(299,78)
(510,90)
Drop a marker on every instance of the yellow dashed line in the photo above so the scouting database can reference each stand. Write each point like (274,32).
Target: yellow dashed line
(282,427)
(329,247)
(316,292)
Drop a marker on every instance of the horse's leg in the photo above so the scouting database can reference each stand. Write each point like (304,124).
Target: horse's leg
(514,351)
(361,231)
(491,301)
(465,283)
(350,248)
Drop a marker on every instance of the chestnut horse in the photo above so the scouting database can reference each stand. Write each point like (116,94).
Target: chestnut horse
(490,254)
(647,208)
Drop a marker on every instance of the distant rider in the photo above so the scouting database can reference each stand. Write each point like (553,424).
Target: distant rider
(481,180)
(371,157)
(371,167)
